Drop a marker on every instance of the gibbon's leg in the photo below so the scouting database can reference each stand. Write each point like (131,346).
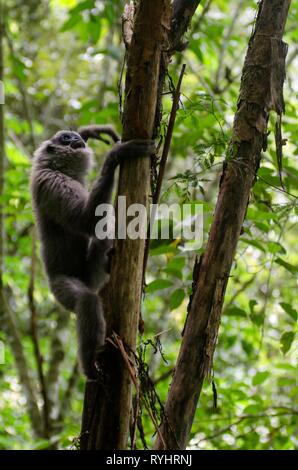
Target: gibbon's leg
(98,263)
(91,328)
(74,295)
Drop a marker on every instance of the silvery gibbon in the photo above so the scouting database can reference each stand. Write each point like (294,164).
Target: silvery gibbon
(76,262)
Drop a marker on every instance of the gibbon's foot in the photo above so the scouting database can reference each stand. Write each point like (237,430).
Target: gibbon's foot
(98,357)
(94,372)
(100,350)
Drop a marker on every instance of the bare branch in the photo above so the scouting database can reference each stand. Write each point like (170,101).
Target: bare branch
(163,161)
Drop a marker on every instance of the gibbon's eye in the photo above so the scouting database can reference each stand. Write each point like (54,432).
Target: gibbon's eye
(65,139)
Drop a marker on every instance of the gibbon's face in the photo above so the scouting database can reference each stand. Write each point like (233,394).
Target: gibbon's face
(69,139)
(67,152)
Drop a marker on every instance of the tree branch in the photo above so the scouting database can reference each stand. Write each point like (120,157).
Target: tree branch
(261,91)
(183,11)
(163,162)
(106,424)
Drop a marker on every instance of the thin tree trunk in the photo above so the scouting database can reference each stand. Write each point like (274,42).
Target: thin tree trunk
(261,91)
(156,36)
(152,20)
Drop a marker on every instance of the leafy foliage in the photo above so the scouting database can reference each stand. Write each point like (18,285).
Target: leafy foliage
(62,70)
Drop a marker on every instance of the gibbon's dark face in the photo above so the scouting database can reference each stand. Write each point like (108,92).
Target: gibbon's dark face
(66,152)
(69,139)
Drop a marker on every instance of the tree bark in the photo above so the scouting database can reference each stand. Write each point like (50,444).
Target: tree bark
(108,427)
(156,36)
(183,11)
(261,91)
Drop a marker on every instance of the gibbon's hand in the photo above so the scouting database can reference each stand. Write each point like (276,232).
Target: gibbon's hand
(134,149)
(95,131)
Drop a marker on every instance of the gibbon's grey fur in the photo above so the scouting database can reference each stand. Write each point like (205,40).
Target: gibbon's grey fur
(77,263)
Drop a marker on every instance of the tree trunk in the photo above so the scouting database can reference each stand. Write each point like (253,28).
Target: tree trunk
(156,36)
(261,91)
(108,426)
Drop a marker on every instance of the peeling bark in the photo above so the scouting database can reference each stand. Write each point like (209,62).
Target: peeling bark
(261,91)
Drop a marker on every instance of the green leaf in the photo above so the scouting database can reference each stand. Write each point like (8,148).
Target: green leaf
(177,298)
(286,341)
(86,5)
(252,409)
(262,226)
(289,267)
(173,272)
(252,304)
(253,214)
(260,377)
(235,312)
(94,28)
(158,284)
(275,247)
(75,16)
(253,243)
(289,310)
(72,21)
(176,263)
(257,318)
(19,68)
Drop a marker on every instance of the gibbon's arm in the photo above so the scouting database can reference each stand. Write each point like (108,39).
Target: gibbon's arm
(94,131)
(103,186)
(69,204)
(64,200)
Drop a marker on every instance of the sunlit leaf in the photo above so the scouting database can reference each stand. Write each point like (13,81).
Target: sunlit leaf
(286,341)
(177,298)
(158,284)
(260,377)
